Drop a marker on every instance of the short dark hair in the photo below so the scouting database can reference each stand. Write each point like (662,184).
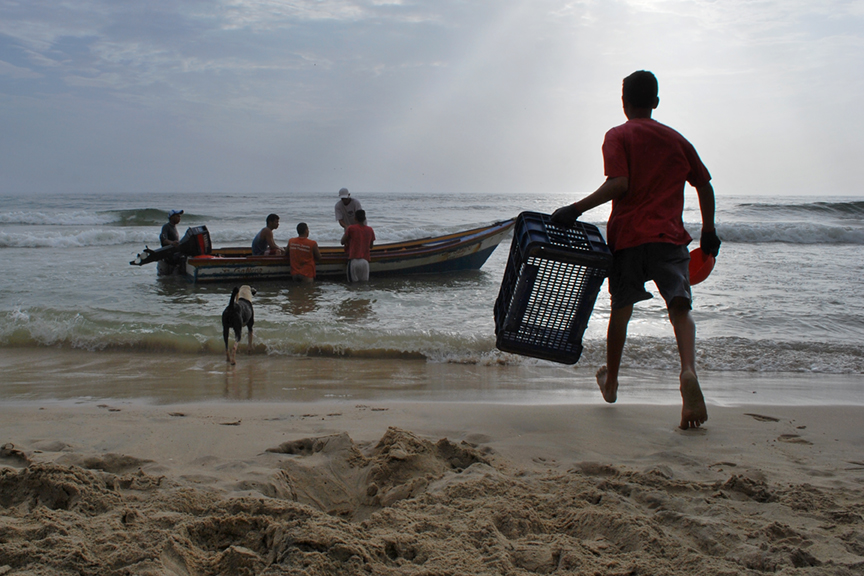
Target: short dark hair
(360,215)
(640,89)
(302,227)
(272,217)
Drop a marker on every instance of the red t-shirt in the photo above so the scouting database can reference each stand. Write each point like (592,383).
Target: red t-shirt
(359,241)
(300,250)
(657,161)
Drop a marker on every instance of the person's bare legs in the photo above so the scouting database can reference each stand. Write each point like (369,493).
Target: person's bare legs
(616,335)
(693,410)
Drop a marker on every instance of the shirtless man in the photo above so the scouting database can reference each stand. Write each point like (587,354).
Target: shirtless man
(264,244)
(647,165)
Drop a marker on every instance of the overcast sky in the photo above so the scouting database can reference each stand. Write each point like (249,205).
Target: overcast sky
(497,96)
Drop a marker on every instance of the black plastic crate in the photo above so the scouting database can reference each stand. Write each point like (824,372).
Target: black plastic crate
(549,288)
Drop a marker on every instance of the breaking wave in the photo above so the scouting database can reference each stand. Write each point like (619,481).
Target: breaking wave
(846,209)
(40,328)
(133,217)
(786,232)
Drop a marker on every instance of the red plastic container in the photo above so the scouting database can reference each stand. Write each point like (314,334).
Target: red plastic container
(701,265)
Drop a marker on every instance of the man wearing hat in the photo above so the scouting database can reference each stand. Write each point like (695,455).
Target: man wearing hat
(346,207)
(169,235)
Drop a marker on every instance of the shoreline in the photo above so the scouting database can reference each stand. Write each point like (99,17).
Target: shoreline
(43,375)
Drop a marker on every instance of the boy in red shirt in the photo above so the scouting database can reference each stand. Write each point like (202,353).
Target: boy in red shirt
(647,165)
(303,253)
(358,240)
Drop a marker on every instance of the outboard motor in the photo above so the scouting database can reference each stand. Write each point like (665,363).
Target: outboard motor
(196,242)
(172,259)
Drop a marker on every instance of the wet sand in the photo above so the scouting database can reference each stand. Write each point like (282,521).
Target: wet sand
(376,486)
(169,378)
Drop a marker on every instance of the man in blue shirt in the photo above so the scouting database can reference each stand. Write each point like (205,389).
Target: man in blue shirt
(264,244)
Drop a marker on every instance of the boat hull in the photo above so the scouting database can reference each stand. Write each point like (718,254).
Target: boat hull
(463,251)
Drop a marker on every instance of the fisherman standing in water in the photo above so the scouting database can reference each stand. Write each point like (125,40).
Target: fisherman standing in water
(346,208)
(358,240)
(303,253)
(647,165)
(170,236)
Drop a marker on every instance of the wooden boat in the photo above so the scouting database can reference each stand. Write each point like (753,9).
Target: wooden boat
(466,250)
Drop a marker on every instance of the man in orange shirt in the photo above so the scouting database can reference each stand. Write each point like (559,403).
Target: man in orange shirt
(303,253)
(358,240)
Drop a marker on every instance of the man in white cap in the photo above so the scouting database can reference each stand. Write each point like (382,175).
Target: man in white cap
(346,207)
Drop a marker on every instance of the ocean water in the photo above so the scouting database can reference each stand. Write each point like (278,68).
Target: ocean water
(784,297)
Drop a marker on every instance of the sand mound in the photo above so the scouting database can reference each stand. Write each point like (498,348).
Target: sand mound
(411,506)
(333,475)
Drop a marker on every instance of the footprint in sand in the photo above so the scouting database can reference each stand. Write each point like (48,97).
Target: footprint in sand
(51,446)
(545,461)
(478,438)
(793,439)
(9,451)
(762,418)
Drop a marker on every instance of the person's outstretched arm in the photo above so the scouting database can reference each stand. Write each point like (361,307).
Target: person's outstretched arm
(611,189)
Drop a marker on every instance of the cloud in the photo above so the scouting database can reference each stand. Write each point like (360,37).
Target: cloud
(497,94)
(270,14)
(13,71)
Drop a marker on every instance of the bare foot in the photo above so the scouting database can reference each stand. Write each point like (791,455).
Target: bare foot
(693,411)
(608,389)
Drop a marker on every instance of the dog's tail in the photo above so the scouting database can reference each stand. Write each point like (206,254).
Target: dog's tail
(234,296)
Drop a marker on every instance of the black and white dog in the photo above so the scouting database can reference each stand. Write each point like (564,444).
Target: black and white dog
(238,314)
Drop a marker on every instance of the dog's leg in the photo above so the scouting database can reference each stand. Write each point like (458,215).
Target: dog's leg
(250,324)
(227,316)
(249,337)
(225,331)
(237,335)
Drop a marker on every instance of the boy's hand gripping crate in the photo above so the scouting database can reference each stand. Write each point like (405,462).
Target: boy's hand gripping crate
(549,288)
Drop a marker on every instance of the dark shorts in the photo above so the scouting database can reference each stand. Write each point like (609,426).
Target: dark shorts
(666,264)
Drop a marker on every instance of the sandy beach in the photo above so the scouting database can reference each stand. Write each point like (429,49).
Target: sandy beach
(345,487)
